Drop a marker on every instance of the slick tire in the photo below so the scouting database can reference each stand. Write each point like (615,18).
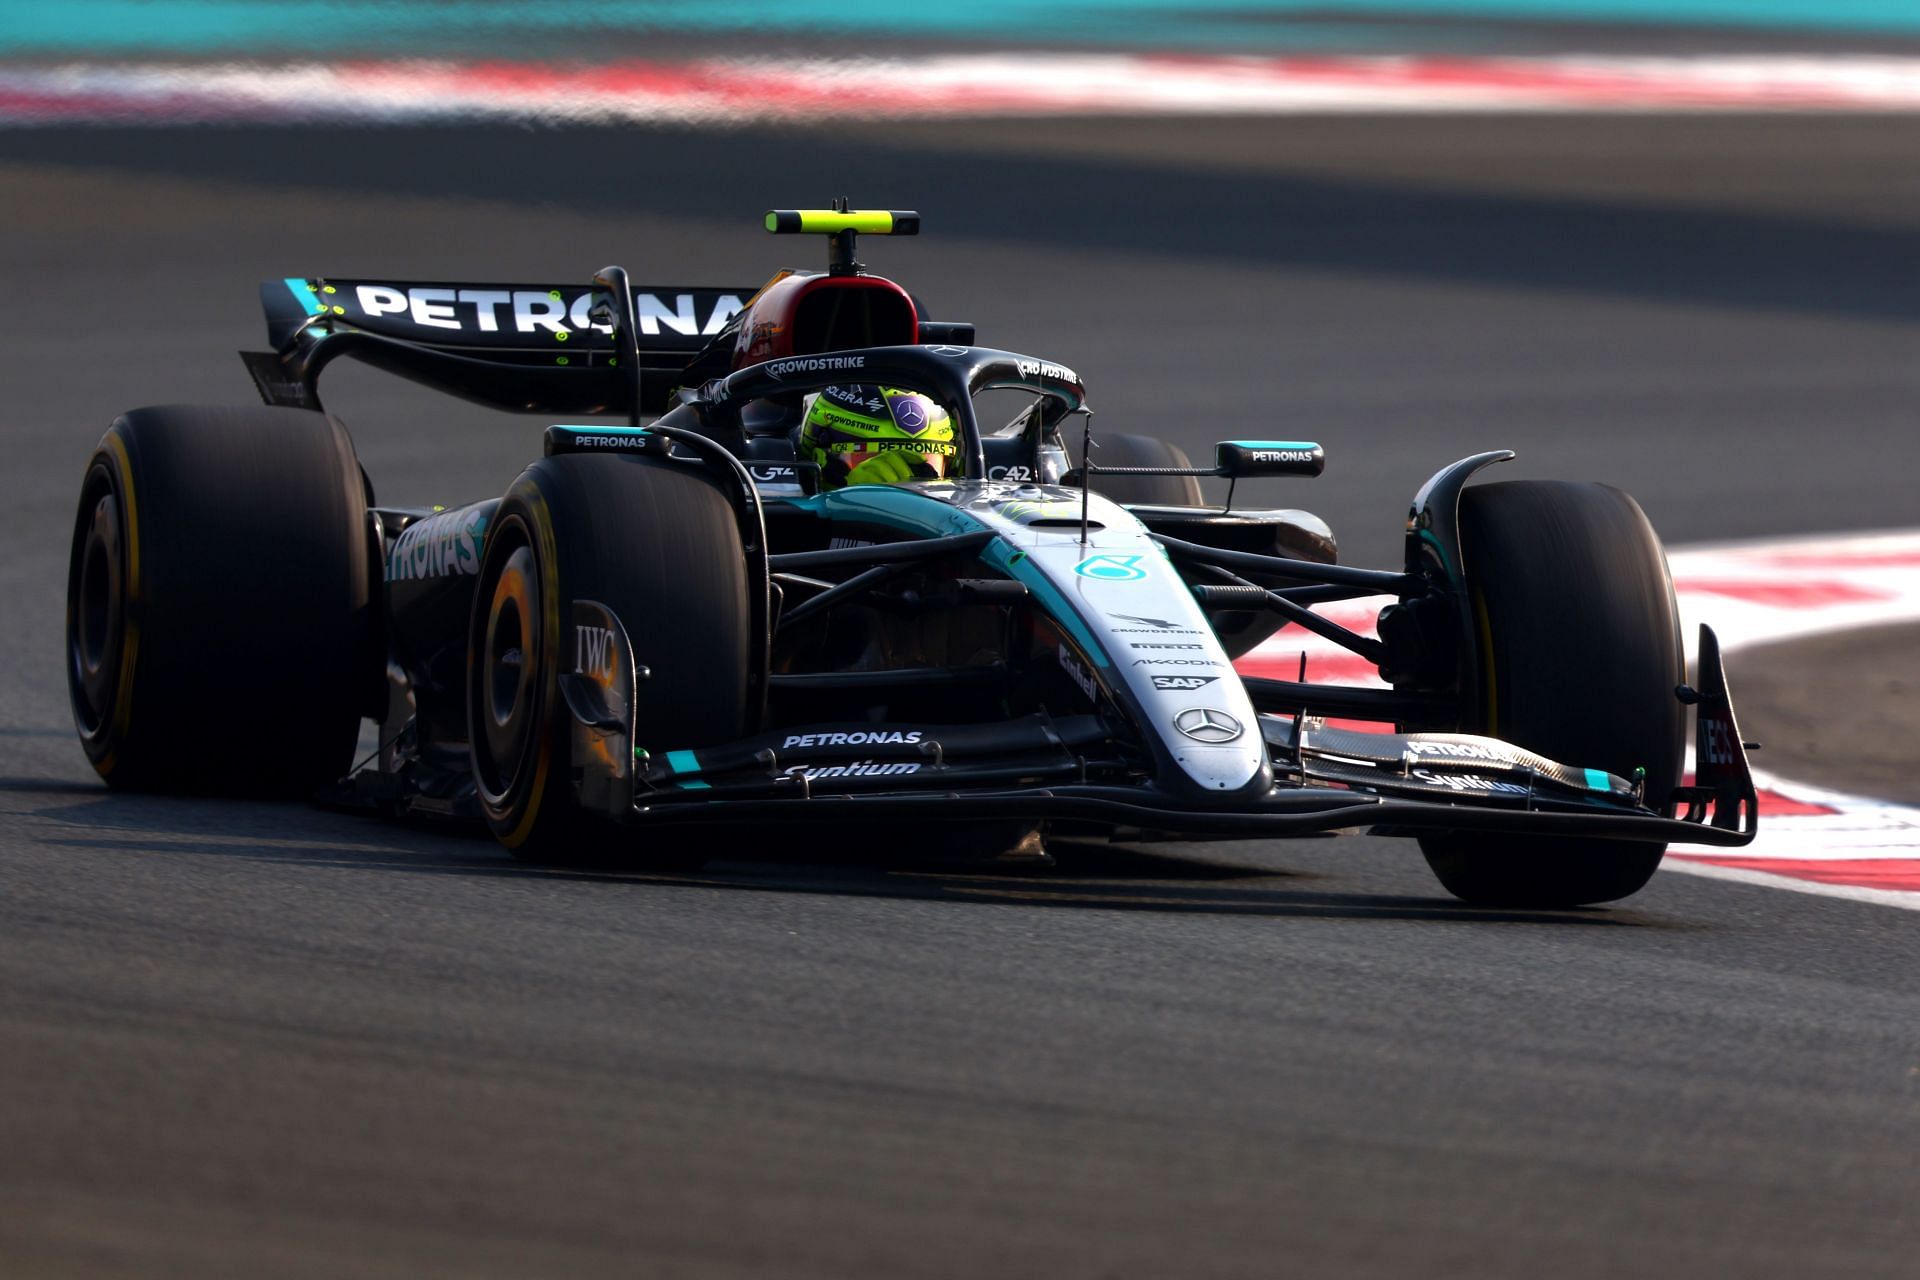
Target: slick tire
(220,634)
(1144,451)
(657,543)
(1580,651)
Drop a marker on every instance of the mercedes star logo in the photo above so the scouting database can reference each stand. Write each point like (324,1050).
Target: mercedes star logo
(1204,724)
(909,416)
(954,352)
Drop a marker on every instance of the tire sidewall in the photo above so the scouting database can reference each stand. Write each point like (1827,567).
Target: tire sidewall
(101,728)
(514,811)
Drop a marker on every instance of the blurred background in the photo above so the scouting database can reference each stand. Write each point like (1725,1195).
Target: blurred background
(1669,244)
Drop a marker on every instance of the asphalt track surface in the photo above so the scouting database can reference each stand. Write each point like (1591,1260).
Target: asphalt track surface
(245,1040)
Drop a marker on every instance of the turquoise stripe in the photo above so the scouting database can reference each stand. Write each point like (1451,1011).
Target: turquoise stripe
(570,28)
(1274,444)
(895,508)
(683,762)
(303,294)
(1597,780)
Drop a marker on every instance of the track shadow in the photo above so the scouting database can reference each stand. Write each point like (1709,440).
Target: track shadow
(52,786)
(1086,876)
(1402,229)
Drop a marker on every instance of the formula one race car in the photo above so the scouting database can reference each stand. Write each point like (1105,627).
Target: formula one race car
(679,628)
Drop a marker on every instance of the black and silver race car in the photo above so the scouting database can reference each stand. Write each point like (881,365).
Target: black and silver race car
(668,631)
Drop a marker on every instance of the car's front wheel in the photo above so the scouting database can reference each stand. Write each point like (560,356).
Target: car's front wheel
(656,543)
(1578,655)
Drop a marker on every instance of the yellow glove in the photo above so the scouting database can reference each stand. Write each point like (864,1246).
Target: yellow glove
(884,468)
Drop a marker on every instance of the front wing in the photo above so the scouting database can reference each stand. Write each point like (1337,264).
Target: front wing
(1069,768)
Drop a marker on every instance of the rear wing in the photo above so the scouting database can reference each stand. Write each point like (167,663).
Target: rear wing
(605,347)
(537,348)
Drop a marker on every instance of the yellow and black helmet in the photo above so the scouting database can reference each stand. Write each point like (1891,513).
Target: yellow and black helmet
(877,435)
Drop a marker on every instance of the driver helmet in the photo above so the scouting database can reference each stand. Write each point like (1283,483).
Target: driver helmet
(876,435)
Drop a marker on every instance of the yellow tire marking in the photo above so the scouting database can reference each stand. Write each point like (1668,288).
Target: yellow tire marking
(546,553)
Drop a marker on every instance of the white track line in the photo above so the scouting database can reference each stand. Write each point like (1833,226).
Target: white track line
(1903,898)
(947,86)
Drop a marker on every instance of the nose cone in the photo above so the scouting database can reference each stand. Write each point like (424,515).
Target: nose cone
(1218,752)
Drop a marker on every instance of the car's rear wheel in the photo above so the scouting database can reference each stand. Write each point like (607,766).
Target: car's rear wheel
(219,625)
(1144,451)
(1579,653)
(656,543)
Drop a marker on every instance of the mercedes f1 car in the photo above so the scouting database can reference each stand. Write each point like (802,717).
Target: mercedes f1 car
(670,629)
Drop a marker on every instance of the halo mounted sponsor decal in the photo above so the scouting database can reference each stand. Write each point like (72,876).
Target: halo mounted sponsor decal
(1204,724)
(778,369)
(1046,369)
(1111,568)
(950,352)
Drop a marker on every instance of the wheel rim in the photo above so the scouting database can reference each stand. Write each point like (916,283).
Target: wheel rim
(99,611)
(506,683)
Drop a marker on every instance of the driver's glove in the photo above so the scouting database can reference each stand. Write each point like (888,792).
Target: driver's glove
(885,468)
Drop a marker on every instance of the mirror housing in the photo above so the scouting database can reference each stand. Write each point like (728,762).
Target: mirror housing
(1240,459)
